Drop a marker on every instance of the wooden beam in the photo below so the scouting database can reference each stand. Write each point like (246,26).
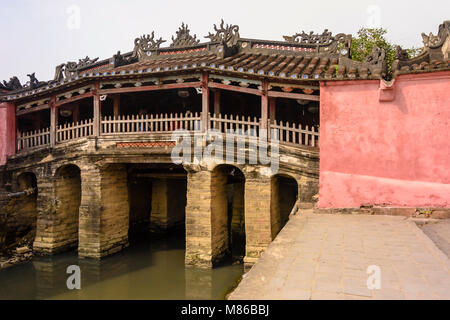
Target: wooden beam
(196,84)
(217,101)
(296,96)
(73,99)
(205,101)
(234,88)
(33,109)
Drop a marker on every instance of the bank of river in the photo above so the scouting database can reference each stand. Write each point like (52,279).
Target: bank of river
(149,269)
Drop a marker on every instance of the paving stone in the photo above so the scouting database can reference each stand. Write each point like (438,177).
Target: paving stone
(412,267)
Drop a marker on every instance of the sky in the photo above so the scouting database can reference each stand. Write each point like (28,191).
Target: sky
(38,35)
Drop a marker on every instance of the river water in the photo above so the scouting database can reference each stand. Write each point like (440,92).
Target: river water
(149,269)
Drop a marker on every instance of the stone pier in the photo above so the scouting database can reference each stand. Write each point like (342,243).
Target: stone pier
(104,211)
(168,205)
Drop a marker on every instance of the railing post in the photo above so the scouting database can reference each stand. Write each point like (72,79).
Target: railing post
(205,101)
(97,111)
(53,121)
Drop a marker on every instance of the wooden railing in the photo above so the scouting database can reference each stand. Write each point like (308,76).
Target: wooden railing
(239,125)
(33,139)
(287,133)
(73,131)
(294,134)
(163,123)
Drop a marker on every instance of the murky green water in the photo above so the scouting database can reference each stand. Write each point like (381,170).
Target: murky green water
(150,269)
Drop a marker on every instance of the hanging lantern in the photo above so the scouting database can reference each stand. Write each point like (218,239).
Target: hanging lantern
(65,112)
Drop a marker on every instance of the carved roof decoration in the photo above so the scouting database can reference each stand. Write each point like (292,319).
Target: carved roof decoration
(227,35)
(299,58)
(12,84)
(434,42)
(184,38)
(144,45)
(434,57)
(324,42)
(71,69)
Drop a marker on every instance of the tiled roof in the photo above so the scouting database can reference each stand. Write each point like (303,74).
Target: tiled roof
(434,57)
(302,57)
(276,64)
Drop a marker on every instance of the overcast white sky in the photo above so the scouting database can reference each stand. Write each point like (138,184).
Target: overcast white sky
(37,35)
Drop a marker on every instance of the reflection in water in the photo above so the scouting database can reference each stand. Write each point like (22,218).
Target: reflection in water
(151,269)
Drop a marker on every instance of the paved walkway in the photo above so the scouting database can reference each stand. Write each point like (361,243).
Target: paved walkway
(327,256)
(439,232)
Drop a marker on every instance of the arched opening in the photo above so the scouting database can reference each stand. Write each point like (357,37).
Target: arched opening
(227,212)
(68,199)
(283,199)
(157,200)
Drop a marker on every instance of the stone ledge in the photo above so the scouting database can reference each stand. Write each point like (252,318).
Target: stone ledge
(426,213)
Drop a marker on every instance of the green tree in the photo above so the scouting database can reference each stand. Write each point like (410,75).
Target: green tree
(362,45)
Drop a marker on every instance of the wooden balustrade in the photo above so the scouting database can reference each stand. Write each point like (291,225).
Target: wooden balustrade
(294,134)
(165,123)
(239,125)
(33,139)
(73,131)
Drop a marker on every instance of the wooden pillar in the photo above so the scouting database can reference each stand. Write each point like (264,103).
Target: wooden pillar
(53,121)
(264,106)
(116,104)
(8,138)
(272,110)
(97,111)
(217,101)
(76,112)
(205,101)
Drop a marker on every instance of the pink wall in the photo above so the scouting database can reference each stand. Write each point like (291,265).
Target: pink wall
(7,131)
(386,153)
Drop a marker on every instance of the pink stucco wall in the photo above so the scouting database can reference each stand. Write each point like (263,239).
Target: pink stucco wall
(7,131)
(393,153)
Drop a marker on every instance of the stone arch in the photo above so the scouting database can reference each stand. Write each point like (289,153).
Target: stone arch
(67,186)
(228,212)
(284,196)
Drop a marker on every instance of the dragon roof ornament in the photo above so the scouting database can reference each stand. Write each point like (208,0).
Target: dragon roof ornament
(11,85)
(435,54)
(227,35)
(70,68)
(184,38)
(145,44)
(433,42)
(303,38)
(329,43)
